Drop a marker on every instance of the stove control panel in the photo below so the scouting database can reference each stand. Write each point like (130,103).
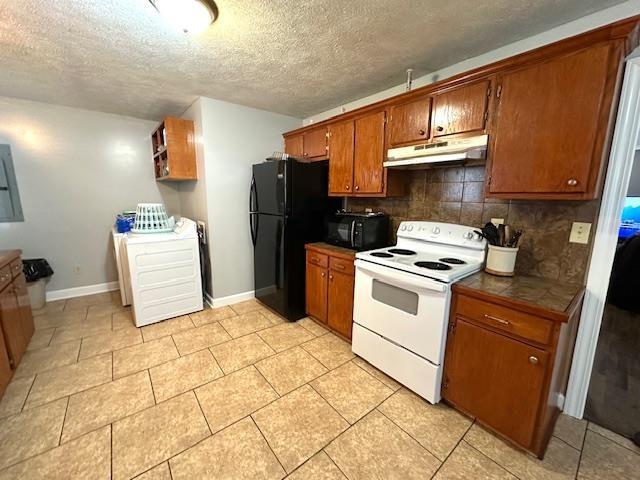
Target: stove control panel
(445,233)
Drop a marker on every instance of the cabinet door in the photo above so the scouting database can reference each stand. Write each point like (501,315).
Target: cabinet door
(316,296)
(341,136)
(315,143)
(460,110)
(495,378)
(293,146)
(368,171)
(548,121)
(341,302)
(11,322)
(408,122)
(5,367)
(24,307)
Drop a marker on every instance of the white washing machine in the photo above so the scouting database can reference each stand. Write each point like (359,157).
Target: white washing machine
(164,272)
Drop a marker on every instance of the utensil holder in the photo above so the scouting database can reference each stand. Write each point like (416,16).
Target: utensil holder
(501,261)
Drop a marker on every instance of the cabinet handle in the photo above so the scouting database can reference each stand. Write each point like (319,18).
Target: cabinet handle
(357,187)
(439,128)
(496,319)
(572,182)
(305,154)
(341,267)
(533,359)
(322,274)
(347,187)
(330,277)
(421,132)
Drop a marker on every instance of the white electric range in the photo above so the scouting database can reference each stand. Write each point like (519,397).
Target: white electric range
(402,297)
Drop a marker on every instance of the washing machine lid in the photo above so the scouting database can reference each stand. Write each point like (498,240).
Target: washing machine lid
(184,229)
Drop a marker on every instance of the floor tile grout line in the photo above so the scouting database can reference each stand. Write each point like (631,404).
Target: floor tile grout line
(153,391)
(613,441)
(111,441)
(328,403)
(24,402)
(206,420)
(412,437)
(332,460)
(269,445)
(64,420)
(265,379)
(565,442)
(442,462)
(503,467)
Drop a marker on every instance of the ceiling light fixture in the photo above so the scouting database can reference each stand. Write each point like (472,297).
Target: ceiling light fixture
(190,16)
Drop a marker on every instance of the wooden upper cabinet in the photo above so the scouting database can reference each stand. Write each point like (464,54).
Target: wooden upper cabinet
(341,139)
(174,150)
(495,378)
(368,172)
(293,145)
(551,121)
(461,109)
(408,122)
(315,143)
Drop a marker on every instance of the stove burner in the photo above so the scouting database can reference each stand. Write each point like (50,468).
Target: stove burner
(401,251)
(433,265)
(381,254)
(452,261)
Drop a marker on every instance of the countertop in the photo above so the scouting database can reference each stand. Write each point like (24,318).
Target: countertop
(7,256)
(346,253)
(538,293)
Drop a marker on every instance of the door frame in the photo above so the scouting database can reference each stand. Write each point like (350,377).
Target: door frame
(623,148)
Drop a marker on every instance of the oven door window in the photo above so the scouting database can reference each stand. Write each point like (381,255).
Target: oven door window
(396,297)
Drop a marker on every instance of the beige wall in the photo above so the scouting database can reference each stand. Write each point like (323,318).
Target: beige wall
(76,169)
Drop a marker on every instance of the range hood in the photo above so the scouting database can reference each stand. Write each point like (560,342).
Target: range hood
(453,150)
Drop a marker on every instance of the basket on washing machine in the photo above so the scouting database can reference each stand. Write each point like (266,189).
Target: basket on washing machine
(151,218)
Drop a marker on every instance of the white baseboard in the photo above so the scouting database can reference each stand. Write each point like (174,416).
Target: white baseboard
(81,291)
(228,300)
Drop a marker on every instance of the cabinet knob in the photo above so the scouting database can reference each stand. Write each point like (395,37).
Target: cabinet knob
(322,274)
(421,131)
(439,128)
(330,277)
(357,187)
(305,154)
(533,359)
(347,187)
(572,182)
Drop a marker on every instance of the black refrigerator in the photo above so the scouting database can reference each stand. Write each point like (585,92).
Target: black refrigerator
(287,204)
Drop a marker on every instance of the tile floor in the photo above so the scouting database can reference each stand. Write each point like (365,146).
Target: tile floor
(236,392)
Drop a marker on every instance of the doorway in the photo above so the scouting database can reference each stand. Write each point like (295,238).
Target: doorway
(613,399)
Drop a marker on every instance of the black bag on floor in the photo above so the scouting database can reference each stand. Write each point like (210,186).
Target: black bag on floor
(36,268)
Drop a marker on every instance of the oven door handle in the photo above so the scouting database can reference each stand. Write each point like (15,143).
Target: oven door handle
(408,280)
(353,234)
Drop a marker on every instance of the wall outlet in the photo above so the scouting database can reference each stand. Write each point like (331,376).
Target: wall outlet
(580,232)
(497,221)
(76,269)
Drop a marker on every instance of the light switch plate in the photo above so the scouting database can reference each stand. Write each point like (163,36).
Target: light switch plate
(580,232)
(497,221)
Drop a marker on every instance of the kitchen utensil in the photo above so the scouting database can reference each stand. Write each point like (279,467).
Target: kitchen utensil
(515,239)
(501,235)
(507,235)
(491,233)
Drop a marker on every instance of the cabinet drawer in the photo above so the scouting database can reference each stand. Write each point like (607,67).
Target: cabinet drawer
(502,318)
(16,268)
(342,265)
(5,277)
(318,259)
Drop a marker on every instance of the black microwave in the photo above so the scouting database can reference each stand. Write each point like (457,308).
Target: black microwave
(359,231)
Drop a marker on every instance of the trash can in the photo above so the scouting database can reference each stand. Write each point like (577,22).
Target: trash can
(36,271)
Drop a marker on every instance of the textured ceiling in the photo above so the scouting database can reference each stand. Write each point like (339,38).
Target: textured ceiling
(292,57)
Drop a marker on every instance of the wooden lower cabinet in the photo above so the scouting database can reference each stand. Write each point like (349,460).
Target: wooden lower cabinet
(316,292)
(329,290)
(16,319)
(507,367)
(340,302)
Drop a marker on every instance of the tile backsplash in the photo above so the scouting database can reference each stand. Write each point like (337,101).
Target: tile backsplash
(456,195)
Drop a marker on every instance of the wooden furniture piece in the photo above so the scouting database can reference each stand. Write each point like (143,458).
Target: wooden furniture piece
(508,355)
(329,286)
(356,153)
(310,145)
(16,320)
(174,150)
(548,112)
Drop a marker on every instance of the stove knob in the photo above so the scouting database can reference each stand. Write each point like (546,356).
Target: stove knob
(403,227)
(410,227)
(436,230)
(467,235)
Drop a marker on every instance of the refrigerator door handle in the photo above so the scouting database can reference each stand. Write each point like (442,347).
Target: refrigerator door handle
(279,247)
(253,196)
(254,227)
